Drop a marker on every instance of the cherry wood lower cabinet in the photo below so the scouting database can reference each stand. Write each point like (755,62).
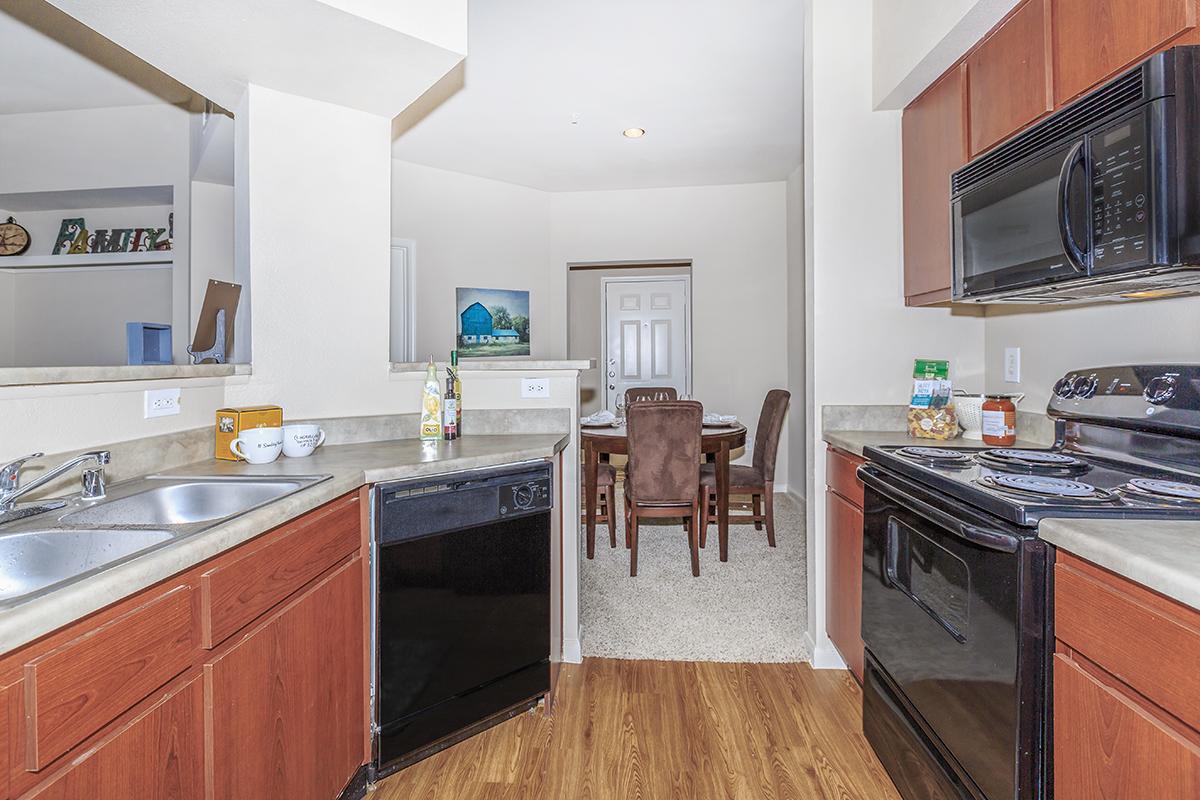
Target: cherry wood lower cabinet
(1125,701)
(242,677)
(285,706)
(159,754)
(844,555)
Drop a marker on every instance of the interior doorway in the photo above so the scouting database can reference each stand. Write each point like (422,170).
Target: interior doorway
(587,325)
(647,335)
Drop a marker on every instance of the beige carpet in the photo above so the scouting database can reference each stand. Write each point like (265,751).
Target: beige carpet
(752,608)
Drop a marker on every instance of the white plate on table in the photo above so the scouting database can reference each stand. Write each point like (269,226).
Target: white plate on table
(613,424)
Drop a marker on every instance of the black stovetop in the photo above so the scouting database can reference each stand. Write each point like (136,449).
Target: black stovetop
(971,480)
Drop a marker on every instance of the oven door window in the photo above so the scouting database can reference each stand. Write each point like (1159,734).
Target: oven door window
(938,581)
(1007,232)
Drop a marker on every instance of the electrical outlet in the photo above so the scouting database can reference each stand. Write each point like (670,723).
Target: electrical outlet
(535,388)
(1012,365)
(161,402)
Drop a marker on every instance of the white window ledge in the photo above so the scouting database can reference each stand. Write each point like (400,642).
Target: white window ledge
(38,376)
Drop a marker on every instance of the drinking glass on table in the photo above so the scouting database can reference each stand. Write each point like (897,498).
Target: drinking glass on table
(621,409)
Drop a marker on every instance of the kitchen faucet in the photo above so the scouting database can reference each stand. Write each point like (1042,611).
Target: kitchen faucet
(11,489)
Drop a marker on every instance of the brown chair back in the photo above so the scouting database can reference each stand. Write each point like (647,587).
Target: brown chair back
(664,451)
(770,427)
(657,393)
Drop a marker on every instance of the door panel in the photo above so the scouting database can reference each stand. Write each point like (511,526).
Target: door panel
(648,329)
(1093,41)
(1009,77)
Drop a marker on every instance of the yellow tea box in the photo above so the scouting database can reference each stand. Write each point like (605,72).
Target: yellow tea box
(232,421)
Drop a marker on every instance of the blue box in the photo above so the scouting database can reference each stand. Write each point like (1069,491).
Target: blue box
(148,343)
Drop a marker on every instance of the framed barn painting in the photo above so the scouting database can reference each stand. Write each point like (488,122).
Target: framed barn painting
(492,323)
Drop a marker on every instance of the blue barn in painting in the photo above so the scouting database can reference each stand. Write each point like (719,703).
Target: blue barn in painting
(477,327)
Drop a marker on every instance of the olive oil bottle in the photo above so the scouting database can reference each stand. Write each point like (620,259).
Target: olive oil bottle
(431,405)
(458,406)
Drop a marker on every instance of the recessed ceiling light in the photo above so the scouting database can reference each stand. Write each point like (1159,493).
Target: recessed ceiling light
(633,133)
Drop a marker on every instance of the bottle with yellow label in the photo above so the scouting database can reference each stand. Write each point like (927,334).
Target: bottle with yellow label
(458,409)
(431,405)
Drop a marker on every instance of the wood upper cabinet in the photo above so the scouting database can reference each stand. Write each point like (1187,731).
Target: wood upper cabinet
(844,558)
(1008,76)
(286,703)
(1126,699)
(1093,41)
(159,755)
(934,129)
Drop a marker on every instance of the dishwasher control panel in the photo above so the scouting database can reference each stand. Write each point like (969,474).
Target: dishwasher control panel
(526,496)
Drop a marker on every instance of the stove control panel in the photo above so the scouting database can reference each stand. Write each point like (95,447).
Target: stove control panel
(1149,396)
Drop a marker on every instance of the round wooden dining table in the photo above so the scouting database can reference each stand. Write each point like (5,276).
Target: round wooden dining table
(715,442)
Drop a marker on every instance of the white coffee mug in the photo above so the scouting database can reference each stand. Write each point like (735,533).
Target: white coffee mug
(258,445)
(300,440)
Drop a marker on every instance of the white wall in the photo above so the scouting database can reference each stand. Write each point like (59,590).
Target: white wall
(736,238)
(212,242)
(915,41)
(861,338)
(1055,341)
(76,317)
(102,148)
(474,233)
(797,368)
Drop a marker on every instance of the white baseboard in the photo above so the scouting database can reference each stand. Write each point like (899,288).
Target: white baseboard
(826,656)
(572,651)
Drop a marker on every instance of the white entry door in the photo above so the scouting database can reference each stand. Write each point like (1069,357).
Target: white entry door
(648,332)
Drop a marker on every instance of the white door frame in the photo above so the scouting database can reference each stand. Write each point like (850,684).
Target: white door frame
(410,300)
(686,280)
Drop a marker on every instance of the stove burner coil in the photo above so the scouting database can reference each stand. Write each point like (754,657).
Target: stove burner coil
(1160,489)
(1044,486)
(1039,462)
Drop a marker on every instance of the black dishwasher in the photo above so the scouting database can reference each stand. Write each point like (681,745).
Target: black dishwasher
(462,624)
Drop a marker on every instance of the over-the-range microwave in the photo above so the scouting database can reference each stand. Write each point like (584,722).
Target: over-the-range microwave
(1099,200)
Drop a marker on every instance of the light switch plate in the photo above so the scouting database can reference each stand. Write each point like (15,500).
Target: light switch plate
(1012,365)
(161,402)
(535,388)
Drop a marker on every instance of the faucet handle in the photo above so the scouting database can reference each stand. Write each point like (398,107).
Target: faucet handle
(102,456)
(10,473)
(93,484)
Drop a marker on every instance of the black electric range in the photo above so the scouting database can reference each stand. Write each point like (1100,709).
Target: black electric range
(957,617)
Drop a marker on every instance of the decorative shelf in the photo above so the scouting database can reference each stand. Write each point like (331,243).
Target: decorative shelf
(78,199)
(151,258)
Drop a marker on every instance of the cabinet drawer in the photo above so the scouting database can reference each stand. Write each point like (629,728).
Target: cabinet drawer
(1147,641)
(157,756)
(1106,745)
(81,686)
(237,592)
(841,475)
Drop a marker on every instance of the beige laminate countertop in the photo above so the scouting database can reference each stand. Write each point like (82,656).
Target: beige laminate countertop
(1163,555)
(350,467)
(855,441)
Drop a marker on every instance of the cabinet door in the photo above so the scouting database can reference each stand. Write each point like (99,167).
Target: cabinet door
(1009,76)
(934,145)
(843,579)
(157,756)
(1107,745)
(286,705)
(1093,41)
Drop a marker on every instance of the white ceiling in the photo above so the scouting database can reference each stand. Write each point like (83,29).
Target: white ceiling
(50,62)
(717,85)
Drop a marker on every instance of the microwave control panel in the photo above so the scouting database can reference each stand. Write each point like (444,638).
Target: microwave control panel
(1120,197)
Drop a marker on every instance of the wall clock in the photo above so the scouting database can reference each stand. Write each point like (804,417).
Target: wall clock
(14,239)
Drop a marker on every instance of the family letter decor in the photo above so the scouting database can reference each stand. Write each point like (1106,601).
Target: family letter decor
(74,238)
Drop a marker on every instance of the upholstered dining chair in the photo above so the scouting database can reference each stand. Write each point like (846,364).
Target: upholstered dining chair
(757,480)
(606,480)
(640,393)
(662,478)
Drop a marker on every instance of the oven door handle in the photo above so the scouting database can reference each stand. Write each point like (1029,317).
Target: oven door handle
(1075,255)
(975,534)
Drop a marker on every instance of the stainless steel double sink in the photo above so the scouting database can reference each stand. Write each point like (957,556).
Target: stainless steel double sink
(41,553)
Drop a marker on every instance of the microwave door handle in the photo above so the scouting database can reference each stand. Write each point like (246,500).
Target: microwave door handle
(1075,256)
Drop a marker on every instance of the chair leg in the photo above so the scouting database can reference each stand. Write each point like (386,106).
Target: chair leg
(628,522)
(633,543)
(704,516)
(608,517)
(769,499)
(693,540)
(756,500)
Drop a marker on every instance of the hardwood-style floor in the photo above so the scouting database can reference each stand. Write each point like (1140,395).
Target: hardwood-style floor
(662,730)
